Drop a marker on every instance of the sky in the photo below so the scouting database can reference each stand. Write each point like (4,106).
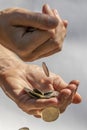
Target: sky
(70,64)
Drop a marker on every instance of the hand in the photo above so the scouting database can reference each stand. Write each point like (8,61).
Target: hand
(20,75)
(53,44)
(60,31)
(17,34)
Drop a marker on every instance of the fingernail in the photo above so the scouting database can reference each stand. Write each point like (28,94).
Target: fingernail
(76,82)
(48,6)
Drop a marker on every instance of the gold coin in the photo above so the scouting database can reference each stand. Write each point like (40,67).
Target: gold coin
(50,114)
(24,128)
(45,68)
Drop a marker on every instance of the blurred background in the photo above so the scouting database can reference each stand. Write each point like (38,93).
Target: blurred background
(70,63)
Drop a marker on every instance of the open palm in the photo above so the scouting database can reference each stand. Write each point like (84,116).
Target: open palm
(22,75)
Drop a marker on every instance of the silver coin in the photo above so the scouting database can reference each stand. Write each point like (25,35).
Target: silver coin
(24,128)
(34,93)
(50,114)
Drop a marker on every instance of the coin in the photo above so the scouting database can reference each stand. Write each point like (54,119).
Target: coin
(50,114)
(51,93)
(24,128)
(35,93)
(45,68)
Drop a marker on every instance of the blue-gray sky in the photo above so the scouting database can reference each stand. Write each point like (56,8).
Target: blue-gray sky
(70,63)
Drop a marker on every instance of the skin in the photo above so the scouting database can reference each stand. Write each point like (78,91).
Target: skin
(15,75)
(45,40)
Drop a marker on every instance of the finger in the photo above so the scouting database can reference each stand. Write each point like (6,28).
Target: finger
(46,47)
(42,103)
(57,15)
(59,84)
(32,58)
(65,22)
(25,17)
(48,54)
(63,98)
(60,30)
(73,88)
(77,98)
(47,10)
(75,82)
(34,112)
(63,95)
(37,116)
(67,95)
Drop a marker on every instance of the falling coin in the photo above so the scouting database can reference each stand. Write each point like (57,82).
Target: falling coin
(50,114)
(24,128)
(45,68)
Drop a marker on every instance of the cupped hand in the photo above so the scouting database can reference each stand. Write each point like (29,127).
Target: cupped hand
(29,34)
(21,75)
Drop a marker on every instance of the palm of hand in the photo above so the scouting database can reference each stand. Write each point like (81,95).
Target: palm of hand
(32,76)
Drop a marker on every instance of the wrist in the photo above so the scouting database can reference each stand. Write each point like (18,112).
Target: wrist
(8,60)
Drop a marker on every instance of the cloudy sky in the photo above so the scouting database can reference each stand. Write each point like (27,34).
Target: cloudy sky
(70,63)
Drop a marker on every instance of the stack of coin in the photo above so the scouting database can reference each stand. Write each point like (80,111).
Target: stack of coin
(35,93)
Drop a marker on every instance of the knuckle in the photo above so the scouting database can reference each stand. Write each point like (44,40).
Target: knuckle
(58,45)
(52,22)
(59,48)
(48,21)
(27,58)
(23,55)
